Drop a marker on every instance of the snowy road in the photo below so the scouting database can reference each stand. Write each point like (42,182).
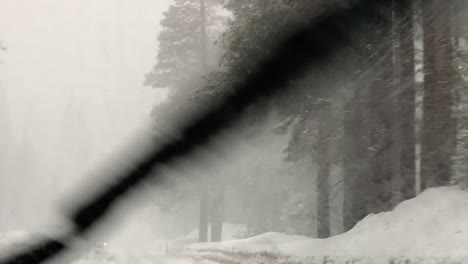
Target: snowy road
(133,259)
(431,228)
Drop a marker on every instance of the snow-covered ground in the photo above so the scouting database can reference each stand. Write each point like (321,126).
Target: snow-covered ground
(230,232)
(432,228)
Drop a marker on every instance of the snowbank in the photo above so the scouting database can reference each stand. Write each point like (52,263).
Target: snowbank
(158,254)
(434,225)
(432,228)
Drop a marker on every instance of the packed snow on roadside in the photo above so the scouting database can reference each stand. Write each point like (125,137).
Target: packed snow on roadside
(119,250)
(432,225)
(230,232)
(162,252)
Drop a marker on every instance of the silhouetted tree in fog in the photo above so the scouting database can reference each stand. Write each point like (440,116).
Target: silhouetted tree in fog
(350,125)
(324,160)
(406,91)
(439,124)
(186,54)
(357,174)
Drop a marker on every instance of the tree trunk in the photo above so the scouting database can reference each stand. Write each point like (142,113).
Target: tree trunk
(383,158)
(204,211)
(205,190)
(356,154)
(439,125)
(371,155)
(217,210)
(407,96)
(323,187)
(356,177)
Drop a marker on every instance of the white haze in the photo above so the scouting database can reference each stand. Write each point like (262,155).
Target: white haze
(72,86)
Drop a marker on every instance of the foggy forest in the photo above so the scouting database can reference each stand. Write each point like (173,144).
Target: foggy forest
(360,158)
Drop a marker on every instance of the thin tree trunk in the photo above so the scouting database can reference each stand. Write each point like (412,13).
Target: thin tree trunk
(217,210)
(324,171)
(336,169)
(205,192)
(396,132)
(204,212)
(407,96)
(439,125)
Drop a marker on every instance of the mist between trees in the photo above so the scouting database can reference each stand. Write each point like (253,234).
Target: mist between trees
(381,122)
(388,123)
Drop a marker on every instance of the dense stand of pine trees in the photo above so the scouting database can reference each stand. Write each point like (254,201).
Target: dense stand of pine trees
(368,129)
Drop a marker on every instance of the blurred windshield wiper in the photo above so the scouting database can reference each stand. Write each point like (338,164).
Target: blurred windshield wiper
(311,45)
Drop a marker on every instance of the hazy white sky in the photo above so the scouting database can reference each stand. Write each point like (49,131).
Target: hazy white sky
(86,55)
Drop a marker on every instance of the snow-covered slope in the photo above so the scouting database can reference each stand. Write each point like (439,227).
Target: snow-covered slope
(432,225)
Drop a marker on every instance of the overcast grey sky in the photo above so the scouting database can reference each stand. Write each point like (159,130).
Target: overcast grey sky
(87,55)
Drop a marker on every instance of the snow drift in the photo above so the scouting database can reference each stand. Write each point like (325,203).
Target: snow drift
(433,225)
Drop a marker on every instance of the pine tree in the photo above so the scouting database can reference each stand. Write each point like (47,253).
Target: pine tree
(461,35)
(381,109)
(180,54)
(357,173)
(371,142)
(187,52)
(439,124)
(378,129)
